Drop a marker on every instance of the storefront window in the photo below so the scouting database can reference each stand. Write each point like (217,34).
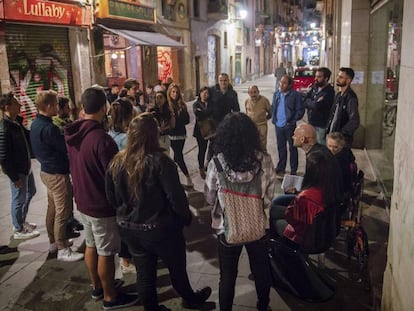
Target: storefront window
(115,63)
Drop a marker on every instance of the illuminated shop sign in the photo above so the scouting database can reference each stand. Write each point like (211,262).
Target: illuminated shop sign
(128,10)
(47,12)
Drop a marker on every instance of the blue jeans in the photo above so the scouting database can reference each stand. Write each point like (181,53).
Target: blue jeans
(283,137)
(20,200)
(259,265)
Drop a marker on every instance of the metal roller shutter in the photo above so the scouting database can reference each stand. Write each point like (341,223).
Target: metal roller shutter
(38,59)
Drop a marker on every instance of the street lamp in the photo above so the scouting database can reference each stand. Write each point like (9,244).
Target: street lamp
(242,13)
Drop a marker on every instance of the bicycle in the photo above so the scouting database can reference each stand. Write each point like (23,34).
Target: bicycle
(390,117)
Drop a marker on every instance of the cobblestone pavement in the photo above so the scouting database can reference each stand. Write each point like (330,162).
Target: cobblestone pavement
(32,280)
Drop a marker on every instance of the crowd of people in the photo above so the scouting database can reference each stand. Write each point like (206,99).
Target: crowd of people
(136,207)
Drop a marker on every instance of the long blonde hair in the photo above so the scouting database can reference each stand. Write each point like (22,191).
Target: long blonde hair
(142,140)
(179,103)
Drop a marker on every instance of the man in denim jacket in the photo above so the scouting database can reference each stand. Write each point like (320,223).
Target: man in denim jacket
(287,109)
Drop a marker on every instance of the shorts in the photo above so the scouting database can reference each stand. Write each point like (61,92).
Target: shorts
(102,234)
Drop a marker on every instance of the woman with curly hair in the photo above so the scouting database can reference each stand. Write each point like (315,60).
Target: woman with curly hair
(178,134)
(238,150)
(142,184)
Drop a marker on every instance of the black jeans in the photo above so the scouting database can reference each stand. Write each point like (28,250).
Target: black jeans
(259,265)
(283,137)
(202,148)
(178,146)
(145,248)
(124,252)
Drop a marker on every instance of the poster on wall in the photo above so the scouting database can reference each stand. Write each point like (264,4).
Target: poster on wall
(164,59)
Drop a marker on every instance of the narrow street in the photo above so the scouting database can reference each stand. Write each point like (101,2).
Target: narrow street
(31,280)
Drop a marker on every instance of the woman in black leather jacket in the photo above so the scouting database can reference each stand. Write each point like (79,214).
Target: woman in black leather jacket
(142,183)
(202,112)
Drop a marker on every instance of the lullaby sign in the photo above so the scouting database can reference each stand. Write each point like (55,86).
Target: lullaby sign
(47,12)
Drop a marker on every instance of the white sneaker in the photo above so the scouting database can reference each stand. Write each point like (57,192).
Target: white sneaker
(68,255)
(53,247)
(127,269)
(25,234)
(30,226)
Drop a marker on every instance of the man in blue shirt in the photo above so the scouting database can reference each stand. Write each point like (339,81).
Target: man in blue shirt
(287,109)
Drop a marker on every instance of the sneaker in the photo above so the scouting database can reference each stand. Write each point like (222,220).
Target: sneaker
(66,254)
(30,226)
(127,269)
(25,234)
(53,247)
(200,297)
(77,225)
(121,301)
(5,249)
(98,293)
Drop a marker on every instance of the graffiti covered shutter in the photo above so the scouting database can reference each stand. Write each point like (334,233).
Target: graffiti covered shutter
(38,59)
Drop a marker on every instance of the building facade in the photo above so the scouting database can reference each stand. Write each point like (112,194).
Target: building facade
(235,37)
(146,40)
(44,45)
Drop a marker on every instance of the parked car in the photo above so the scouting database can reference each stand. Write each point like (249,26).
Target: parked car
(391,85)
(303,79)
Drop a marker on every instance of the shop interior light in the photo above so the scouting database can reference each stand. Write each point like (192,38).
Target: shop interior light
(114,56)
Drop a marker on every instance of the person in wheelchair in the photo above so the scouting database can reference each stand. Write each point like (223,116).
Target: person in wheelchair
(318,193)
(335,142)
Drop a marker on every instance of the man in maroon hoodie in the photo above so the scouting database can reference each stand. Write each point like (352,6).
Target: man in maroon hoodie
(90,150)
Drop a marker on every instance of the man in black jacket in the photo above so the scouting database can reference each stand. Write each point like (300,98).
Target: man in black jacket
(319,101)
(50,150)
(344,116)
(16,164)
(223,99)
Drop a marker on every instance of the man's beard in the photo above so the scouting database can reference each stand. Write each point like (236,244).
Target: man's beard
(340,84)
(320,84)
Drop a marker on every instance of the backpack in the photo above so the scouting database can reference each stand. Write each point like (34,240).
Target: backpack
(242,205)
